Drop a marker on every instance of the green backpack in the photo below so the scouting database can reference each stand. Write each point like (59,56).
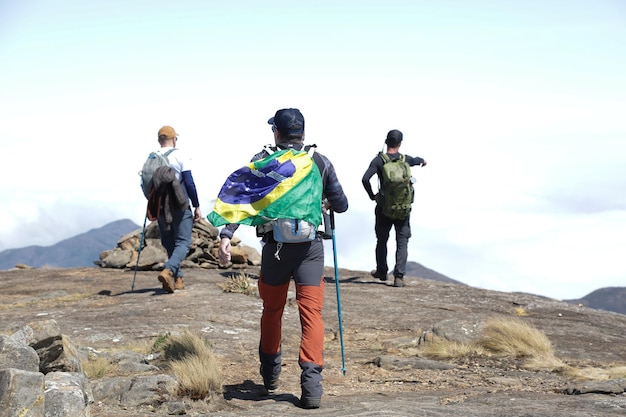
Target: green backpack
(396,188)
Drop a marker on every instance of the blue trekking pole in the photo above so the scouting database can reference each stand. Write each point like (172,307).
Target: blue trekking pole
(332,227)
(143,232)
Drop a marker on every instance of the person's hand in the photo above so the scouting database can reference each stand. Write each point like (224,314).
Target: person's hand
(424,163)
(375,197)
(197,215)
(224,251)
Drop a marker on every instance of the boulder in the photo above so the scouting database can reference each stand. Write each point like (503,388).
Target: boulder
(203,252)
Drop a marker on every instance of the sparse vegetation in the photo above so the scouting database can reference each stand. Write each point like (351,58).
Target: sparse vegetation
(199,376)
(99,367)
(618,371)
(160,342)
(193,363)
(504,337)
(239,283)
(140,346)
(520,311)
(514,337)
(596,374)
(448,349)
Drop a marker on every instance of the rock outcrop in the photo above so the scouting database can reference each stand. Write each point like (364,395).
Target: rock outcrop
(41,375)
(203,252)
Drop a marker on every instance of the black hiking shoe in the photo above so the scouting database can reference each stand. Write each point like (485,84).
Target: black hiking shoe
(380,275)
(270,384)
(398,282)
(310,403)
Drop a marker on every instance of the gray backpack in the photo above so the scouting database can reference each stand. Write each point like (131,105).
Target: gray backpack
(154,161)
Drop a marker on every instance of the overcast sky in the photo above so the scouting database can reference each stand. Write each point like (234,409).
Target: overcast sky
(519,108)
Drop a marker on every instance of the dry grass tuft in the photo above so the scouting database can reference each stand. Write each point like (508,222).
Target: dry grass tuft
(513,337)
(139,346)
(99,367)
(240,284)
(617,372)
(194,365)
(504,337)
(199,376)
(507,336)
(596,374)
(545,363)
(448,349)
(520,312)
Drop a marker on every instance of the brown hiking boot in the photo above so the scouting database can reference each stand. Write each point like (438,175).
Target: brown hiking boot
(398,282)
(179,284)
(167,279)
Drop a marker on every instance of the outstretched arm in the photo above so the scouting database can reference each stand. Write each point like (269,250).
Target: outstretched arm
(415,160)
(371,170)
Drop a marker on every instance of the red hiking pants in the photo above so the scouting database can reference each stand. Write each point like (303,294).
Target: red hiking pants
(310,301)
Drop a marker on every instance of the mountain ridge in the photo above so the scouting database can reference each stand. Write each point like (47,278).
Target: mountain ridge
(77,251)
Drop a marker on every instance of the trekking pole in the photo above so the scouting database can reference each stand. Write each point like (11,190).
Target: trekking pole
(332,227)
(143,231)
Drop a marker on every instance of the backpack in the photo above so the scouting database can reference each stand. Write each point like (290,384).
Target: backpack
(396,188)
(154,161)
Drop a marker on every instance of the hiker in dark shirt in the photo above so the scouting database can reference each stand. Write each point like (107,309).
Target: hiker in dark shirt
(383,224)
(304,262)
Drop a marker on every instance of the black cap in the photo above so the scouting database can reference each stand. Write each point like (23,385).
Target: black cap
(289,122)
(394,137)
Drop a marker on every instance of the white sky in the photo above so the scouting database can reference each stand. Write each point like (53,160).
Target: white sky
(518,107)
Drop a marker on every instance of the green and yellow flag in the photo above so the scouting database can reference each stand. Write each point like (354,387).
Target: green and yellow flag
(285,184)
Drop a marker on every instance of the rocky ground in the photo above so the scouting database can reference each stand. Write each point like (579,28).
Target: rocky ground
(382,326)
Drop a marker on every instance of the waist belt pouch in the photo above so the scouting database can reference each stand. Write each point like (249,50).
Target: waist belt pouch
(293,231)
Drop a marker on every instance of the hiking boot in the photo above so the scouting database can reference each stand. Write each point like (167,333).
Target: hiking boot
(270,385)
(167,279)
(310,402)
(380,275)
(398,282)
(311,385)
(179,284)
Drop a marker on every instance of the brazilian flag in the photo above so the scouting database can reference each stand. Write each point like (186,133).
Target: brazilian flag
(285,184)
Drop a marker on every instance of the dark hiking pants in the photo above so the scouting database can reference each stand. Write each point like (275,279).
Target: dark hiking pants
(403,233)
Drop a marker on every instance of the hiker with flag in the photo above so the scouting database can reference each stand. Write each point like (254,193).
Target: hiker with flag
(283,192)
(391,210)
